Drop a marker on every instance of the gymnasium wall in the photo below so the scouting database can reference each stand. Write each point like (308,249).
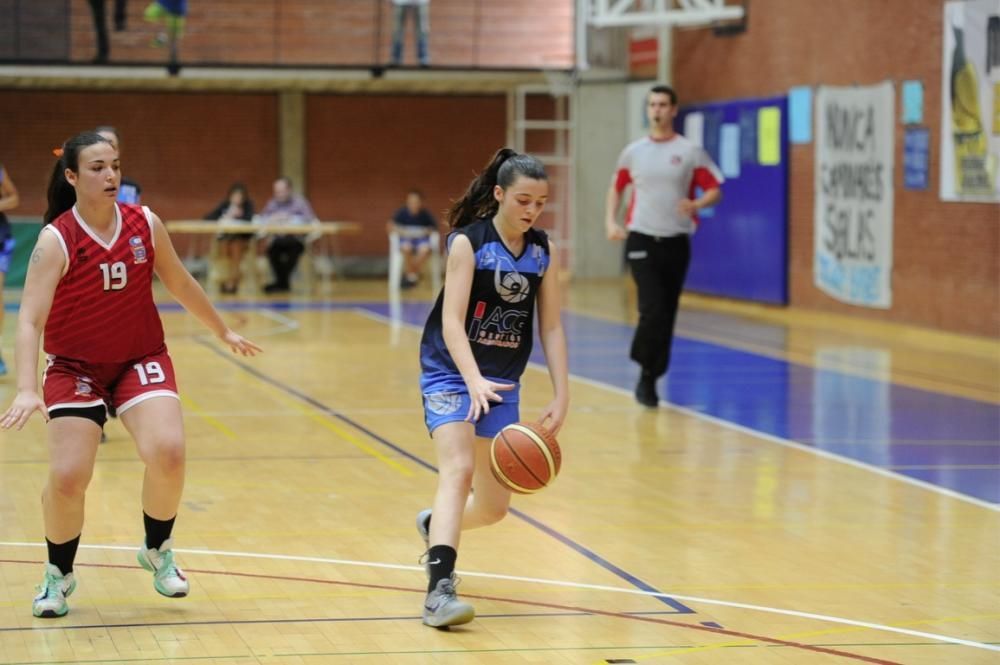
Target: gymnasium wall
(946,271)
(183,149)
(463,33)
(362,151)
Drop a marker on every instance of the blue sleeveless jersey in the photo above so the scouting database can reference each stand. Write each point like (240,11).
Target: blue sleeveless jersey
(501,309)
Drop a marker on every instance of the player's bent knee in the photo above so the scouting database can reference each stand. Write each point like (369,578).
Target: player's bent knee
(458,474)
(493,514)
(69,481)
(167,455)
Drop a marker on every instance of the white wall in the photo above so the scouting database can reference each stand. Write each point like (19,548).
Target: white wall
(601,133)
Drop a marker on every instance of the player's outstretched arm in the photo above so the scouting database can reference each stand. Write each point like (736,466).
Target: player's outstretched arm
(44,271)
(554,343)
(189,293)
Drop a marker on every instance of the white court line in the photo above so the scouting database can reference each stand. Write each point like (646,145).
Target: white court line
(285,324)
(752,432)
(572,585)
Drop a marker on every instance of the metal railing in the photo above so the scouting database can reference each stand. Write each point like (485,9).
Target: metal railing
(301,33)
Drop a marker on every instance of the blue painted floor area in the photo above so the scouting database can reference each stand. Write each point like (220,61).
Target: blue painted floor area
(952,442)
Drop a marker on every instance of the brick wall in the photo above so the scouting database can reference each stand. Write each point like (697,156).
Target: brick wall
(363,152)
(184,149)
(946,271)
(463,33)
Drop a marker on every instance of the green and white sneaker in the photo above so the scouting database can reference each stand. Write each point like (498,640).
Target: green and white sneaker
(168,578)
(53,591)
(442,608)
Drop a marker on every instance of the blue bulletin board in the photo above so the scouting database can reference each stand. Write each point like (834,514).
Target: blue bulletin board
(741,247)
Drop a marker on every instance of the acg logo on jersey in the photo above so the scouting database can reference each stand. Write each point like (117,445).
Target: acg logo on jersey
(499,327)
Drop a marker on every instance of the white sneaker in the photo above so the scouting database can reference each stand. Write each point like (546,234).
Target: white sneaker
(442,607)
(422,526)
(51,600)
(168,578)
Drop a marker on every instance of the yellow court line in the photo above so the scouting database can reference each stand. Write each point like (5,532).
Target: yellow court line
(324,421)
(188,403)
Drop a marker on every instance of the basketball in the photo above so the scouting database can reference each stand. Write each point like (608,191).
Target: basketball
(525,457)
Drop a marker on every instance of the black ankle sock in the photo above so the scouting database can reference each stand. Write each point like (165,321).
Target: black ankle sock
(62,555)
(157,531)
(441,563)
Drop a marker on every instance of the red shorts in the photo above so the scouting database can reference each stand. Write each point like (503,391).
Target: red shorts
(77,384)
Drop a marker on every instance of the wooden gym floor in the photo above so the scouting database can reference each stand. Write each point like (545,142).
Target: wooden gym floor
(819,490)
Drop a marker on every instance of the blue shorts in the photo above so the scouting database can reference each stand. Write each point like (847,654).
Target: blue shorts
(6,252)
(414,244)
(450,403)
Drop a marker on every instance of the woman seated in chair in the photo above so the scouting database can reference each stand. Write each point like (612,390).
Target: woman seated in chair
(414,224)
(236,209)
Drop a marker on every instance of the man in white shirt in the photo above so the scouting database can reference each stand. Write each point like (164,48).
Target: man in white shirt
(664,171)
(421,10)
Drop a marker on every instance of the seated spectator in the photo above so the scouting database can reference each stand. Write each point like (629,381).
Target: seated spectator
(414,224)
(283,251)
(236,209)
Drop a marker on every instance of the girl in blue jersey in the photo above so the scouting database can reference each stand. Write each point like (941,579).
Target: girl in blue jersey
(475,346)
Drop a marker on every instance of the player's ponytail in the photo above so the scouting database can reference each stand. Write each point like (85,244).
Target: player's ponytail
(478,199)
(61,195)
(503,169)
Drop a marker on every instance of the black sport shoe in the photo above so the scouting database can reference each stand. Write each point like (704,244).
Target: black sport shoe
(645,391)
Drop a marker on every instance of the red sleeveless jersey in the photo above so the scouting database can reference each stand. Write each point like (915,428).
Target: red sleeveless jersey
(103,309)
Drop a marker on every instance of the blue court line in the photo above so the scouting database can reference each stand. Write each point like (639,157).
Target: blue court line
(875,422)
(858,418)
(679,607)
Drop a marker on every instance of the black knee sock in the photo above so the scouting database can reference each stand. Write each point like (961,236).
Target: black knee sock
(441,563)
(157,531)
(62,555)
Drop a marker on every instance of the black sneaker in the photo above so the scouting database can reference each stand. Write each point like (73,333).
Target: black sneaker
(645,391)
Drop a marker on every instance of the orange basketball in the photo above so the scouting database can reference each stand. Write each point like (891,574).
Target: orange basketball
(525,457)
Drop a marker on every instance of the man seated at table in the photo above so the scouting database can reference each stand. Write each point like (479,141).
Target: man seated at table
(283,251)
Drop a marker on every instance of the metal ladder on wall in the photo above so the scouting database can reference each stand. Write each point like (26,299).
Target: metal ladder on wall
(543,125)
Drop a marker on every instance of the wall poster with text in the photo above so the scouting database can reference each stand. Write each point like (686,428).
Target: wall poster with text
(855,144)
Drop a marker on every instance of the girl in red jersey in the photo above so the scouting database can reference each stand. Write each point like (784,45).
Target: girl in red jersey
(89,286)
